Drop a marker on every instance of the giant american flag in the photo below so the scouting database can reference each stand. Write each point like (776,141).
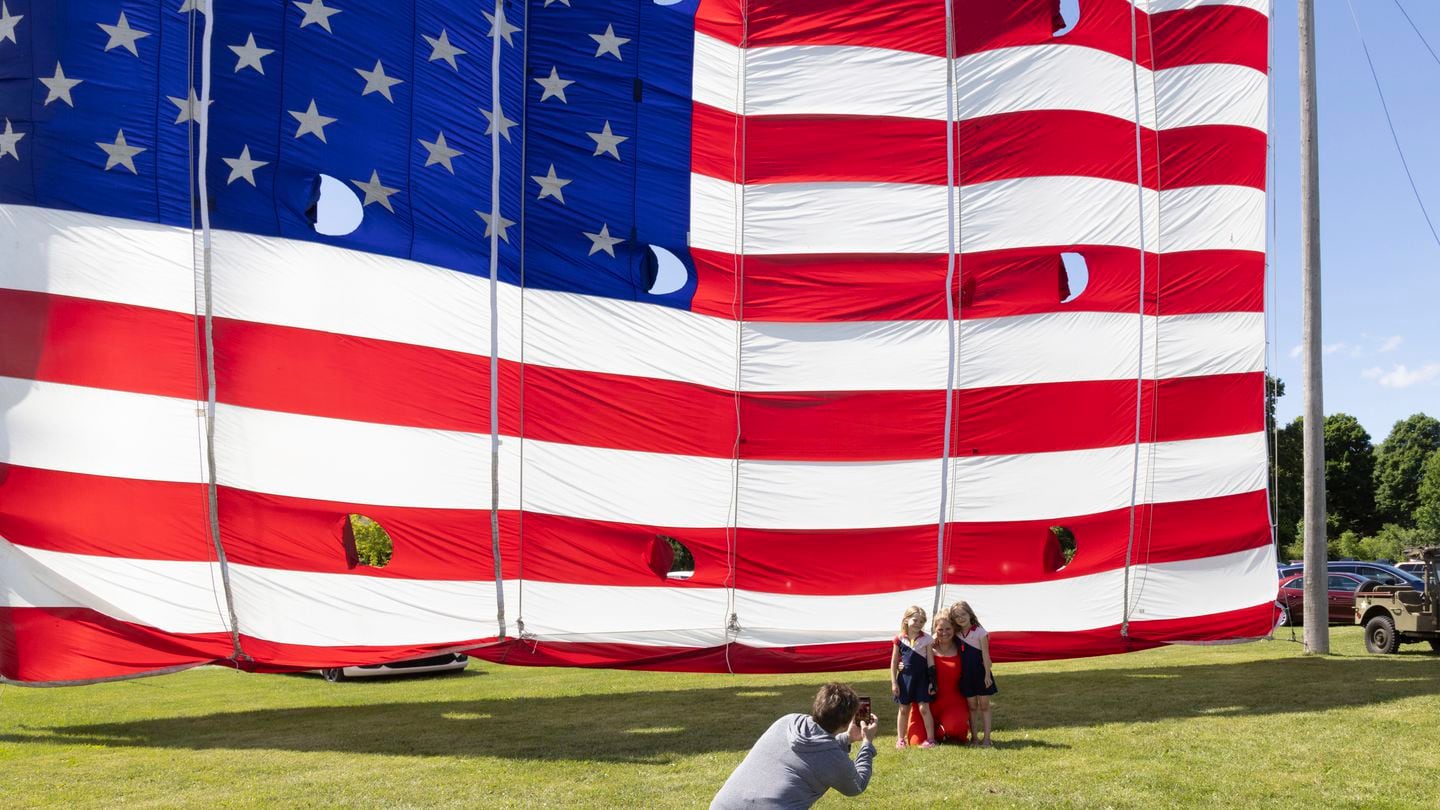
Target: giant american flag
(779,279)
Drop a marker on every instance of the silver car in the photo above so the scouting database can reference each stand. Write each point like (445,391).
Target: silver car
(448,662)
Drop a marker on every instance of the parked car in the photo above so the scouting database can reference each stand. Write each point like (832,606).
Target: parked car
(1416,567)
(1340,594)
(1380,572)
(449,662)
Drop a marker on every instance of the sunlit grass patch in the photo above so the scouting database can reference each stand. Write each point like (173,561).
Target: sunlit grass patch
(1232,726)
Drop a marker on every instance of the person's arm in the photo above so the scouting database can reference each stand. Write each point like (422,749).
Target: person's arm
(852,777)
(985,654)
(930,665)
(895,668)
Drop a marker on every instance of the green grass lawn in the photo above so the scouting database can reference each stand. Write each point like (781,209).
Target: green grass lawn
(1239,725)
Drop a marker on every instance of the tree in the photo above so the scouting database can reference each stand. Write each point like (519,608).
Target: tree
(1274,389)
(1389,543)
(1427,511)
(1349,474)
(1288,490)
(1398,464)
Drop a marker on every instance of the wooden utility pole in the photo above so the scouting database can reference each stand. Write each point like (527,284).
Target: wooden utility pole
(1317,608)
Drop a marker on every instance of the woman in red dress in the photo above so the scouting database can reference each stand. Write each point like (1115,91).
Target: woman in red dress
(948,708)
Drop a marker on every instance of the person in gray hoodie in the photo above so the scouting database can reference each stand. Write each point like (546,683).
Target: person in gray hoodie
(803,755)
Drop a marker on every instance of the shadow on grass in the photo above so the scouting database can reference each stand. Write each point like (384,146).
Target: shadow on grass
(660,726)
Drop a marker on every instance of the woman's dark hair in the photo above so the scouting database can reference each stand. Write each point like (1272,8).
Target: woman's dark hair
(835,706)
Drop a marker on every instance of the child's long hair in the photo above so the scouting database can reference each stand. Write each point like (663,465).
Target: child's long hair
(955,617)
(911,611)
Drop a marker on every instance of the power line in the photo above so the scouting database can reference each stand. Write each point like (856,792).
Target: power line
(1390,123)
(1416,29)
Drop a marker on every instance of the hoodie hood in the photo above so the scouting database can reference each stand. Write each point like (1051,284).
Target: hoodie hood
(806,735)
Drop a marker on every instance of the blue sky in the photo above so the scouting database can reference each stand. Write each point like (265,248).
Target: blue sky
(1380,264)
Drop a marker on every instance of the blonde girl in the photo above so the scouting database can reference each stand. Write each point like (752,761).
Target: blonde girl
(977,683)
(912,664)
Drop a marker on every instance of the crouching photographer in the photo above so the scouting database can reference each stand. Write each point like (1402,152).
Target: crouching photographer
(803,755)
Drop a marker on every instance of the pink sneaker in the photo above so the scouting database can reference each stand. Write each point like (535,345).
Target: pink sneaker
(900,745)
(928,744)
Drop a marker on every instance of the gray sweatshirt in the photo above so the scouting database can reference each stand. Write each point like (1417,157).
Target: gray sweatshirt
(792,765)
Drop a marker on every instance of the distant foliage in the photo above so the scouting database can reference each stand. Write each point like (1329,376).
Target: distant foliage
(1349,474)
(373,546)
(1288,494)
(1364,488)
(1387,544)
(1427,510)
(1067,542)
(1399,465)
(683,559)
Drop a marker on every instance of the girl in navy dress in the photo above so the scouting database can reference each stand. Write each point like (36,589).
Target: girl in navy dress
(912,663)
(977,683)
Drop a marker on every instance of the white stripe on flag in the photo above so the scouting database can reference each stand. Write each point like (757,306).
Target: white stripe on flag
(125,436)
(358,610)
(877,82)
(856,217)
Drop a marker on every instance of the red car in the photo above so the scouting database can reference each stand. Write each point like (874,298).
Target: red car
(1340,595)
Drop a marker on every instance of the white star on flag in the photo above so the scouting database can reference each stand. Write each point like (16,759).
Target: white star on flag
(499,122)
(312,121)
(375,191)
(187,106)
(8,139)
(490,226)
(440,48)
(59,86)
(440,152)
(122,35)
(607,142)
(602,241)
(551,185)
(377,82)
(120,153)
(608,43)
(8,23)
(249,55)
(554,86)
(506,29)
(317,13)
(243,168)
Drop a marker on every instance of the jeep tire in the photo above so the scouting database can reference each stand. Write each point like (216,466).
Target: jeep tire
(1380,637)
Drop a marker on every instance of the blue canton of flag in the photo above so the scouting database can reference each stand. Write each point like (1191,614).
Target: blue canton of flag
(99,102)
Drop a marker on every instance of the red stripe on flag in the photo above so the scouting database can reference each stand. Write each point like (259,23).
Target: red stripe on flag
(324,374)
(571,550)
(1043,143)
(873,287)
(111,517)
(1204,34)
(56,645)
(62,339)
(273,531)
(660,416)
(43,645)
(69,645)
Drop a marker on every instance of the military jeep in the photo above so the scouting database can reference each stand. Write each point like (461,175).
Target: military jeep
(1397,614)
